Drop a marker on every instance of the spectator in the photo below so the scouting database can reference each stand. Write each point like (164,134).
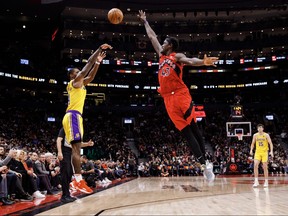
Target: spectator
(87,171)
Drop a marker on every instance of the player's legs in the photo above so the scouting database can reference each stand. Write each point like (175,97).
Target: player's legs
(194,144)
(265,168)
(181,111)
(73,127)
(76,148)
(256,166)
(198,136)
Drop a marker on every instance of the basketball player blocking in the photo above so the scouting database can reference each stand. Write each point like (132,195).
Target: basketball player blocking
(176,95)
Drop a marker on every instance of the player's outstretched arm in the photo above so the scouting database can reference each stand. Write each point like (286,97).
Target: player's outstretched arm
(78,81)
(151,34)
(89,143)
(206,61)
(94,69)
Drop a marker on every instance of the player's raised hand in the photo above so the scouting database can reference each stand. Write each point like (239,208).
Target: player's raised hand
(210,61)
(106,46)
(101,56)
(142,16)
(90,143)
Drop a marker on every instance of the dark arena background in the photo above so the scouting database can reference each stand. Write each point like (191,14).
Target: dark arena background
(125,115)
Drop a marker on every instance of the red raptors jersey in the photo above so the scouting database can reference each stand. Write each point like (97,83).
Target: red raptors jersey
(170,75)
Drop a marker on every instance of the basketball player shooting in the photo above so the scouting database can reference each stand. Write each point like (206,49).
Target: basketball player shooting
(72,121)
(177,99)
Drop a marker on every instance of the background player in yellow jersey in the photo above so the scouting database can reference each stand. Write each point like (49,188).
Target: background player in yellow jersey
(261,139)
(72,121)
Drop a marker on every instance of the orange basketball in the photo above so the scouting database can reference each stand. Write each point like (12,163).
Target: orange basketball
(115,16)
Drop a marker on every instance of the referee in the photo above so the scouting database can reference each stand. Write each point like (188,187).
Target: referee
(66,170)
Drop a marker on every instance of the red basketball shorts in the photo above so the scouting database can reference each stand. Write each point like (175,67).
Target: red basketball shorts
(180,108)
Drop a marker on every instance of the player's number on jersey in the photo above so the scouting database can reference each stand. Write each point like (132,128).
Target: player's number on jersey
(165,72)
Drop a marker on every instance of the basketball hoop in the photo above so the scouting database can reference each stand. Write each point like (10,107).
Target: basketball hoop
(240,136)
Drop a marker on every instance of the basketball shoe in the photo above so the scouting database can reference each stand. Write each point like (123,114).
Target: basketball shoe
(266,184)
(208,171)
(73,185)
(256,183)
(82,186)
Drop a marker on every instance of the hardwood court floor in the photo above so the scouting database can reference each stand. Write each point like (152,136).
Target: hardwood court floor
(227,195)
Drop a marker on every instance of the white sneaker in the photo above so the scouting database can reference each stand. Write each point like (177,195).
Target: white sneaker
(266,184)
(208,172)
(38,195)
(107,180)
(256,184)
(103,181)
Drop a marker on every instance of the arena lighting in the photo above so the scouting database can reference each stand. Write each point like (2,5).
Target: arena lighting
(207,71)
(151,63)
(123,86)
(24,61)
(128,71)
(240,85)
(193,87)
(105,61)
(258,68)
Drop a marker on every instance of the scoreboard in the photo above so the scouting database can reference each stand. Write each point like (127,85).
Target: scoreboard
(236,111)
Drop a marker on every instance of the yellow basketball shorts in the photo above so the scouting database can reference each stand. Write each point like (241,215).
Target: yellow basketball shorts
(73,126)
(261,156)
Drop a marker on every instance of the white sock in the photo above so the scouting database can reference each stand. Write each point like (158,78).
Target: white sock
(256,179)
(78,177)
(266,180)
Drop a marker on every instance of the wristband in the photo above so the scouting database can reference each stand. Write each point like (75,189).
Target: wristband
(97,62)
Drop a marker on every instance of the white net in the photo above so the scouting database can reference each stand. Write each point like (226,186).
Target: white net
(240,136)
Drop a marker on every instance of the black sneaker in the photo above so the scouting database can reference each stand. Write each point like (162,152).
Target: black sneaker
(6,201)
(24,198)
(67,199)
(53,192)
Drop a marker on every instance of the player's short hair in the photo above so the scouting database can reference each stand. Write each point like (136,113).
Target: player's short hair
(174,41)
(71,70)
(260,125)
(84,157)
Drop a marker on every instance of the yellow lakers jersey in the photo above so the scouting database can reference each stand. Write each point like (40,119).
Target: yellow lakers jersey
(261,143)
(76,97)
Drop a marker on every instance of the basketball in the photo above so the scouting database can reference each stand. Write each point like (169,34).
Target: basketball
(115,16)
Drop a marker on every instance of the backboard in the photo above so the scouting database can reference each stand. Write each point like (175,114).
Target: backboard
(235,128)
